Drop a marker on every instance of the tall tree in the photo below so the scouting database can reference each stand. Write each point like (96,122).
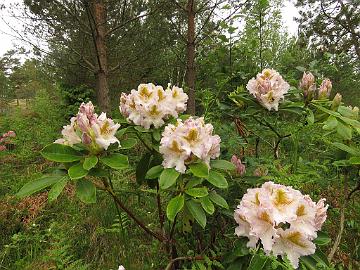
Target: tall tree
(333,25)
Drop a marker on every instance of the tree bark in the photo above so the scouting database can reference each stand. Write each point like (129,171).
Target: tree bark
(101,74)
(190,57)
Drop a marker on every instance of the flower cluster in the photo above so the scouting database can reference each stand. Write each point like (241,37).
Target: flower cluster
(96,132)
(188,141)
(308,86)
(240,167)
(268,88)
(283,219)
(151,105)
(6,139)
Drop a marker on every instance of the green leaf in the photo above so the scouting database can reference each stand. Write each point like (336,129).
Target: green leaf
(90,162)
(197,192)
(154,172)
(38,185)
(97,172)
(57,188)
(199,169)
(217,179)
(197,212)
(174,206)
(309,262)
(322,239)
(257,262)
(193,182)
(168,178)
(310,117)
(207,205)
(121,132)
(141,129)
(330,123)
(142,167)
(346,111)
(217,199)
(351,150)
(60,153)
(156,135)
(115,161)
(344,131)
(354,160)
(77,171)
(222,165)
(86,191)
(128,143)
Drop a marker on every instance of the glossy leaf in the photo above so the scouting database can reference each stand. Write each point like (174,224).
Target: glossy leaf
(115,161)
(199,169)
(207,205)
(197,192)
(168,178)
(90,162)
(128,143)
(222,165)
(217,199)
(57,188)
(86,191)
(60,153)
(39,184)
(217,179)
(154,172)
(77,171)
(197,212)
(257,262)
(174,207)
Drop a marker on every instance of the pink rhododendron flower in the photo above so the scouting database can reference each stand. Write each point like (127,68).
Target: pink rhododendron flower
(283,219)
(307,84)
(150,105)
(325,89)
(97,132)
(268,88)
(240,168)
(188,141)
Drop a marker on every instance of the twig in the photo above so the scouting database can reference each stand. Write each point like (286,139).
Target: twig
(195,258)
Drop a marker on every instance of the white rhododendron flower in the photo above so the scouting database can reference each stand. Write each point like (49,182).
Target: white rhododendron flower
(121,267)
(96,132)
(188,141)
(150,105)
(268,88)
(283,219)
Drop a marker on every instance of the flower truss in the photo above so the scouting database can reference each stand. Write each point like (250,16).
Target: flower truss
(151,105)
(268,88)
(95,132)
(188,141)
(283,219)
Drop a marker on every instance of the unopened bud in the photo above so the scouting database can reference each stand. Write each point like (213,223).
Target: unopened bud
(325,89)
(307,85)
(336,102)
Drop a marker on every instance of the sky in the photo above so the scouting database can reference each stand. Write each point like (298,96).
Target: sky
(7,41)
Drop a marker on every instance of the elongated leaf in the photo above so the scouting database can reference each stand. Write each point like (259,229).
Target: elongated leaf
(57,188)
(351,150)
(222,165)
(217,199)
(217,179)
(194,182)
(37,185)
(207,205)
(257,262)
(77,171)
(330,123)
(98,172)
(128,143)
(115,161)
(344,131)
(197,212)
(197,192)
(86,191)
(154,172)
(354,160)
(60,153)
(90,162)
(199,169)
(168,178)
(174,207)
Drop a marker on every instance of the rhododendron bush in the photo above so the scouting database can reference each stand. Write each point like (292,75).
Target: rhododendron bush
(185,166)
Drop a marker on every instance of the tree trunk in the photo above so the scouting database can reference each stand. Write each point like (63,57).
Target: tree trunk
(102,87)
(190,57)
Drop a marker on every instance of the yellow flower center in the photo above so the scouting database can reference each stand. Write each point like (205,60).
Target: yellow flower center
(295,237)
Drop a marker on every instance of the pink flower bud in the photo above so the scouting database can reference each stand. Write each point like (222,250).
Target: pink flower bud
(10,134)
(325,89)
(260,171)
(307,84)
(240,168)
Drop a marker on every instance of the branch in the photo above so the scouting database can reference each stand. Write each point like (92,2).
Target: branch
(195,258)
(179,6)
